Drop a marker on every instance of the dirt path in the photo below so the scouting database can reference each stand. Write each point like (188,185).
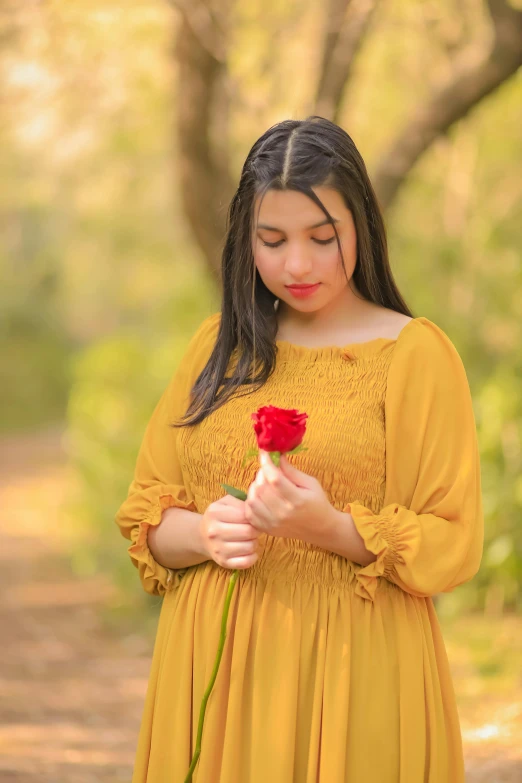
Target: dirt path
(73,687)
(72,692)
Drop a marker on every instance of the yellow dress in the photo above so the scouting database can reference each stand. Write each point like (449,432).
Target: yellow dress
(331,672)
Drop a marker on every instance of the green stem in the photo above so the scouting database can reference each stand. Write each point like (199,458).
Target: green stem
(233,580)
(238,493)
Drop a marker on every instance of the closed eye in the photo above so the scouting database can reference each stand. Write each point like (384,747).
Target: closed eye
(318,241)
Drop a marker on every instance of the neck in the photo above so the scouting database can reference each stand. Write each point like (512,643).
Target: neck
(347,312)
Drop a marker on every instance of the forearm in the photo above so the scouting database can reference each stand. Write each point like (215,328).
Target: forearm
(176,542)
(339,535)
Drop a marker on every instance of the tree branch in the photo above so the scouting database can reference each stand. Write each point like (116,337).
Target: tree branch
(476,75)
(347,24)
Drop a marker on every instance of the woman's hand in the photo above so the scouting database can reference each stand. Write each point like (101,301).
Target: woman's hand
(287,503)
(227,537)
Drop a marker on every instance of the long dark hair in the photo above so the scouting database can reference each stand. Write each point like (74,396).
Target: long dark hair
(295,155)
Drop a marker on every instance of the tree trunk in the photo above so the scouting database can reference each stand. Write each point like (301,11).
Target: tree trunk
(201,51)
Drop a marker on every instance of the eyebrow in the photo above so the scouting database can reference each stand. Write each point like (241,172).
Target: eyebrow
(316,225)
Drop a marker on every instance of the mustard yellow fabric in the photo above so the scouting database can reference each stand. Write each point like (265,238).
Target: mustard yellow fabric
(331,672)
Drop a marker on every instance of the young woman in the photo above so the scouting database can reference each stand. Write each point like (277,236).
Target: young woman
(334,668)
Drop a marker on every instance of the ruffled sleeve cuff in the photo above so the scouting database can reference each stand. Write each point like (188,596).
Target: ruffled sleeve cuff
(157,579)
(381,536)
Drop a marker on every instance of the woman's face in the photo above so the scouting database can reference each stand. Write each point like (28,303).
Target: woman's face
(288,250)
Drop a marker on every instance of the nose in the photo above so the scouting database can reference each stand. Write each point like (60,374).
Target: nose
(298,262)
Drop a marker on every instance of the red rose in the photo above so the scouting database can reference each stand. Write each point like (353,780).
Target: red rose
(279,429)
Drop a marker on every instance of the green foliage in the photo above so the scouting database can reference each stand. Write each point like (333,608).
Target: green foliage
(34,386)
(116,385)
(485,656)
(454,234)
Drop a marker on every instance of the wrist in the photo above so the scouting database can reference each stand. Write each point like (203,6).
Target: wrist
(200,542)
(340,536)
(177,541)
(326,531)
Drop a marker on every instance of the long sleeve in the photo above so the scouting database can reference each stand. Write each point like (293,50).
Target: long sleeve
(428,536)
(158,480)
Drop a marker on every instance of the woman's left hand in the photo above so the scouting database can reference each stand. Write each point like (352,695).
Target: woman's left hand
(285,502)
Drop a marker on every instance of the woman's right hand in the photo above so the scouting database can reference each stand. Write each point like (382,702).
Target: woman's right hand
(229,539)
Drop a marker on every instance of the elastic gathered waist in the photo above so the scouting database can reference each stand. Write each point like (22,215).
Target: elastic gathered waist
(294,561)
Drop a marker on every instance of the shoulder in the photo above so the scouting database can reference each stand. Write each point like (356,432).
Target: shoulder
(422,337)
(410,333)
(208,328)
(415,338)
(198,349)
(204,337)
(426,356)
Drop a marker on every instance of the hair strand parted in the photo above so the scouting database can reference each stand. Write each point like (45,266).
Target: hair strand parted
(298,155)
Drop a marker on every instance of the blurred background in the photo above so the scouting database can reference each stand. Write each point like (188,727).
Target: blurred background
(123,130)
